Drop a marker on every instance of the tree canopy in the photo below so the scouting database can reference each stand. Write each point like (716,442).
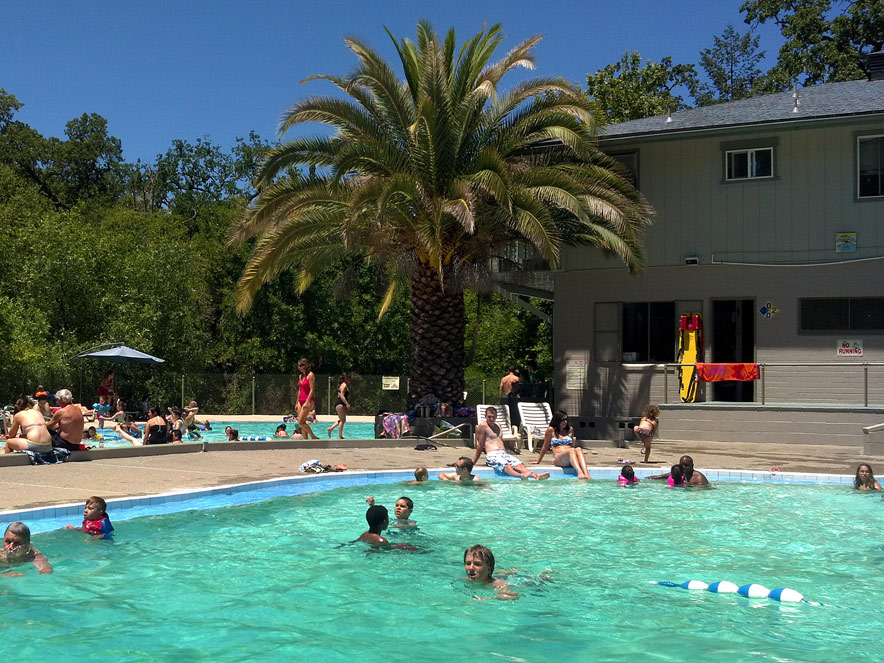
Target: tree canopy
(429,177)
(631,89)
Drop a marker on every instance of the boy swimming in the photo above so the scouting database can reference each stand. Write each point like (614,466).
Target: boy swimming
(402,510)
(95,519)
(478,563)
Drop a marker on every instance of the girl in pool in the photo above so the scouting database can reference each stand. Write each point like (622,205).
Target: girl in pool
(676,476)
(647,428)
(560,436)
(865,479)
(627,477)
(341,405)
(306,397)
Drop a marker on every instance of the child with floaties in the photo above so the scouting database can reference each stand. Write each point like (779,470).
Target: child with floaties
(676,476)
(627,477)
(95,519)
(647,428)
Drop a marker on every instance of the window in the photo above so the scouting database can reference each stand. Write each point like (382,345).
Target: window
(648,332)
(843,314)
(749,164)
(629,160)
(870,166)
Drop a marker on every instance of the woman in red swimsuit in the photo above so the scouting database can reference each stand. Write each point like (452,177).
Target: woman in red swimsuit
(306,397)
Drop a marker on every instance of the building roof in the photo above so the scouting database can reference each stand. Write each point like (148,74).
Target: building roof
(829,100)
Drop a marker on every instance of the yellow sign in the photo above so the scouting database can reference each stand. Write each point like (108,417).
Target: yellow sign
(390,383)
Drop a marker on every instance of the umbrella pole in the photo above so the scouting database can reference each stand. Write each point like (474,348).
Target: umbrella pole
(80,395)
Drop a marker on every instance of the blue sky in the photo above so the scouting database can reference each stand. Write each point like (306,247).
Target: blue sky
(162,70)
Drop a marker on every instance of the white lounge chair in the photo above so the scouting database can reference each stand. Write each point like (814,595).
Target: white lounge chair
(535,420)
(510,438)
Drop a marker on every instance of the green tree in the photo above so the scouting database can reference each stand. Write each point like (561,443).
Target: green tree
(823,44)
(630,90)
(85,168)
(732,67)
(430,177)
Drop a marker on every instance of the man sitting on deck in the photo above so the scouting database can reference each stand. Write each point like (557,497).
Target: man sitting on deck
(66,425)
(488,439)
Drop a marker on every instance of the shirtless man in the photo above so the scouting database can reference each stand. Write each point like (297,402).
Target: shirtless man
(692,477)
(66,425)
(463,473)
(506,384)
(488,440)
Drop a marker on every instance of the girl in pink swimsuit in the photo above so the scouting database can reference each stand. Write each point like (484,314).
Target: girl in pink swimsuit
(306,397)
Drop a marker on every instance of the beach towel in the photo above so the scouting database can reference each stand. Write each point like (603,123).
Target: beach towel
(48,457)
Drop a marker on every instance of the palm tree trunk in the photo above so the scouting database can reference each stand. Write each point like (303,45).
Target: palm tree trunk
(437,337)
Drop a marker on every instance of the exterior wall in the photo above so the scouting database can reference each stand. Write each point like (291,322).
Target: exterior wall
(616,390)
(793,217)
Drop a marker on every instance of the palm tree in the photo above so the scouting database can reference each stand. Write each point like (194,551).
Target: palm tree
(431,176)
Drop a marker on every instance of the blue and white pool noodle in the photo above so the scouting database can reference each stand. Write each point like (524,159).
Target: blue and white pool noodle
(751,591)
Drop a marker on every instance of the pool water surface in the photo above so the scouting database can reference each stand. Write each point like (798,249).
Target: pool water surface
(278,579)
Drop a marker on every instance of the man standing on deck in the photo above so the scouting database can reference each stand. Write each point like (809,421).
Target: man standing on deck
(66,425)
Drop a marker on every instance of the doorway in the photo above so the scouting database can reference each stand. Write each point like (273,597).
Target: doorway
(733,341)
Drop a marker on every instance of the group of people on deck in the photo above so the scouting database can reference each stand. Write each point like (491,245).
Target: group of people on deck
(558,437)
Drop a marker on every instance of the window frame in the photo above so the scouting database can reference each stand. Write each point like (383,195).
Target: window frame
(858,138)
(728,148)
(750,156)
(634,154)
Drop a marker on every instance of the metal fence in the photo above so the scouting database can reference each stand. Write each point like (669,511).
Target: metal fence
(805,383)
(241,393)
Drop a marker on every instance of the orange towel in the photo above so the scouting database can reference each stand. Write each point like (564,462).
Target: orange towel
(722,372)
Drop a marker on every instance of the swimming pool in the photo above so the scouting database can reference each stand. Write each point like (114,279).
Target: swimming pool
(352,431)
(271,580)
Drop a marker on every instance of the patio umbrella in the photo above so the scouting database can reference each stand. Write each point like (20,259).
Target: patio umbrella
(119,354)
(122,354)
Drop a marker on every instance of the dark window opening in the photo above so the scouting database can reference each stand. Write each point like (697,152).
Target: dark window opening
(842,314)
(649,332)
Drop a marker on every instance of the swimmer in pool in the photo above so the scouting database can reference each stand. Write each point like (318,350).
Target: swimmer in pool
(478,563)
(17,549)
(692,477)
(378,521)
(281,431)
(402,511)
(463,473)
(421,475)
(865,479)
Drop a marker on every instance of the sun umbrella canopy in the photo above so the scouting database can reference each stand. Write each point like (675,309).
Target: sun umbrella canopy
(122,354)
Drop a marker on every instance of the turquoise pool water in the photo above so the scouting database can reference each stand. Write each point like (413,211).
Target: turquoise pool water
(352,431)
(271,581)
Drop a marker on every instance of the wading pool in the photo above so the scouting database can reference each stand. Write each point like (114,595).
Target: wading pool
(272,580)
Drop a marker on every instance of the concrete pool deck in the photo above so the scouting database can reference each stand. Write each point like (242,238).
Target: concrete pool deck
(47,485)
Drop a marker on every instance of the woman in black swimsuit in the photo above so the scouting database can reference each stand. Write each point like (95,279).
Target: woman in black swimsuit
(342,404)
(155,430)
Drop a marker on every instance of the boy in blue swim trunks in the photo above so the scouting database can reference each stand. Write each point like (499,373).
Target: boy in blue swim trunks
(489,441)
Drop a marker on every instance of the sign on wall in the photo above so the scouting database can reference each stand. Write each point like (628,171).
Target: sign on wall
(767,310)
(575,374)
(850,348)
(845,242)
(390,383)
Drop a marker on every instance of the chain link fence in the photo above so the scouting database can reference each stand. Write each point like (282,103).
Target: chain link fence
(235,393)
